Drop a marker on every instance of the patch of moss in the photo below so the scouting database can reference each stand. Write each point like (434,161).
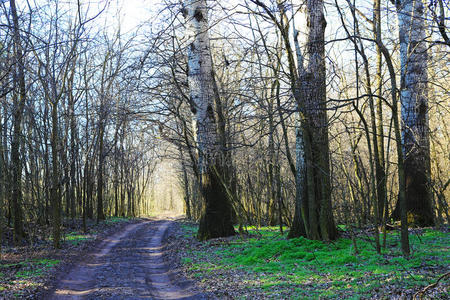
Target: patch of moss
(303,266)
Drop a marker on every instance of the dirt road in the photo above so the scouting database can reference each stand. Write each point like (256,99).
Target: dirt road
(127,265)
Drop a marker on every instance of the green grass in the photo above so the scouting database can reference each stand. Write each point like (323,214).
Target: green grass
(113,220)
(29,273)
(189,230)
(76,238)
(328,270)
(30,268)
(46,262)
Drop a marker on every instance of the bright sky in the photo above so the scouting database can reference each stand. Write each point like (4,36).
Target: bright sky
(132,12)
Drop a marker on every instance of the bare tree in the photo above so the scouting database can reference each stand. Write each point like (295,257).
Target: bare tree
(216,219)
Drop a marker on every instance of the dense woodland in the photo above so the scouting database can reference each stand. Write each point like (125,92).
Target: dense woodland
(302,113)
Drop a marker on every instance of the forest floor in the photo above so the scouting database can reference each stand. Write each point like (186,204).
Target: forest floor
(161,259)
(118,259)
(264,264)
(29,270)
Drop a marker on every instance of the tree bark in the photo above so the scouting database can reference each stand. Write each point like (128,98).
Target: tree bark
(216,219)
(187,196)
(414,112)
(380,166)
(19,104)
(312,153)
(101,155)
(55,189)
(317,118)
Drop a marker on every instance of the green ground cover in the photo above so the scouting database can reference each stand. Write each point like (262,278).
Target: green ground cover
(30,267)
(304,268)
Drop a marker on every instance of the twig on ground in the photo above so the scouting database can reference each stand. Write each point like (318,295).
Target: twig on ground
(422,292)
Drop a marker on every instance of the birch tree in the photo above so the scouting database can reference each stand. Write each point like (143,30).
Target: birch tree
(414,111)
(216,218)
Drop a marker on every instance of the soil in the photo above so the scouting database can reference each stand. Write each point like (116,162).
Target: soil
(130,264)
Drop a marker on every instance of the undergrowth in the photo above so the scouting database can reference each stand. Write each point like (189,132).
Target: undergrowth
(303,268)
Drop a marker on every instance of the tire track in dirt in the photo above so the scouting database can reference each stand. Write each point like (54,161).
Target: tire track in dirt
(127,265)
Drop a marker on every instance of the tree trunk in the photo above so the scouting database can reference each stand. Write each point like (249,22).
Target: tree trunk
(187,196)
(18,108)
(309,90)
(414,104)
(55,191)
(216,219)
(400,160)
(300,224)
(100,213)
(317,119)
(2,177)
(272,203)
(380,166)
(73,154)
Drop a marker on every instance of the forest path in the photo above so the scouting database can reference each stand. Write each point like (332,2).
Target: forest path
(127,265)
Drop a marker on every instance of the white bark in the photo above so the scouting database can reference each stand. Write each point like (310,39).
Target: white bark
(414,77)
(300,175)
(414,109)
(216,219)
(201,83)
